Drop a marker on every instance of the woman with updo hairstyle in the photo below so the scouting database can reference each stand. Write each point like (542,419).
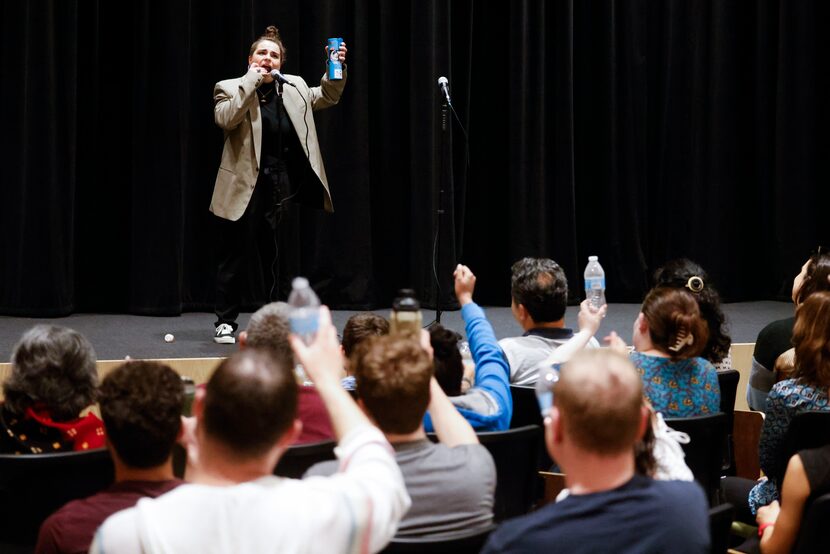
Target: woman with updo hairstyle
(53,379)
(806,391)
(776,338)
(683,273)
(669,335)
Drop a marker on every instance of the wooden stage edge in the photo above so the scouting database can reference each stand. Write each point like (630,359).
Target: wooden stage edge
(200,369)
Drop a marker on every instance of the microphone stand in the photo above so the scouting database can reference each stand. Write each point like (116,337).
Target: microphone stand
(439,212)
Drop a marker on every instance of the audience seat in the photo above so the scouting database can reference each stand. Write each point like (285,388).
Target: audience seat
(525,407)
(728,381)
(813,535)
(704,453)
(516,453)
(298,458)
(806,430)
(460,542)
(720,525)
(32,486)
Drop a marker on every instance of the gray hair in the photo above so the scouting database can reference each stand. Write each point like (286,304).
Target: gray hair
(54,366)
(269,329)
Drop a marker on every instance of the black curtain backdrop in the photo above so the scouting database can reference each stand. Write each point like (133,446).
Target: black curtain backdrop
(638,131)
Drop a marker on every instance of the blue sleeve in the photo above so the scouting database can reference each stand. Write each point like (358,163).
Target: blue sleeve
(492,371)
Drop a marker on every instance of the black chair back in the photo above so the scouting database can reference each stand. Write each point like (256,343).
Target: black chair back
(297,459)
(806,430)
(32,486)
(813,535)
(459,542)
(720,526)
(516,454)
(525,407)
(728,381)
(704,453)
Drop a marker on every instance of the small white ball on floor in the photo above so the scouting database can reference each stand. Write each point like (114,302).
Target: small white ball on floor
(169,338)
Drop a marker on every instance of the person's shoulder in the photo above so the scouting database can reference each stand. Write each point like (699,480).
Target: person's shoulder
(775,328)
(228,84)
(526,533)
(475,457)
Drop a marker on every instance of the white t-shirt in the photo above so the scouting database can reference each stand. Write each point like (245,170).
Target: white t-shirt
(353,511)
(525,354)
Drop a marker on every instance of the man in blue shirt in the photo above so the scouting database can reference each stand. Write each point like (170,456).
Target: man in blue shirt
(596,418)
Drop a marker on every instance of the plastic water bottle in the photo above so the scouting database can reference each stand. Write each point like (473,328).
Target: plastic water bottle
(548,377)
(595,283)
(406,313)
(304,317)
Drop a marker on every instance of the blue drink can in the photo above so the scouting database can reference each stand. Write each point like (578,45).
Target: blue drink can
(334,63)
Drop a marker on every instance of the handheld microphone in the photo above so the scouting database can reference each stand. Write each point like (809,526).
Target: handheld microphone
(280,78)
(445,88)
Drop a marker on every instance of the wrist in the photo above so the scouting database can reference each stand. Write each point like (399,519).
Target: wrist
(764,526)
(465,298)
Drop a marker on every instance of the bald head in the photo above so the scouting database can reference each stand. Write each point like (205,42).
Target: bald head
(599,397)
(250,402)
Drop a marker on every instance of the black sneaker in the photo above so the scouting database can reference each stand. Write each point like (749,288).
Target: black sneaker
(224,334)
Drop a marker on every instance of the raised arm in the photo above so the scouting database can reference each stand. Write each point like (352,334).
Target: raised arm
(328,93)
(232,99)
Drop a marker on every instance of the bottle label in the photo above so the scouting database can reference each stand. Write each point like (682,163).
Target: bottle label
(595,283)
(334,63)
(304,322)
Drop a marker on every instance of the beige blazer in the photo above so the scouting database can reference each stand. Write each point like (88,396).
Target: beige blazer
(236,111)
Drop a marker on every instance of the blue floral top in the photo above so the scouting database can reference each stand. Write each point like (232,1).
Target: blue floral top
(786,400)
(681,388)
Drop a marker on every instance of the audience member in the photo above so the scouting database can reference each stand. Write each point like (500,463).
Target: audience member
(683,273)
(669,335)
(452,483)
(446,359)
(244,421)
(359,327)
(141,405)
(53,379)
(776,338)
(539,291)
(807,478)
(596,418)
(269,329)
(806,391)
(488,406)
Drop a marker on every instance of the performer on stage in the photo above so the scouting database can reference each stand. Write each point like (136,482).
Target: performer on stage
(271,156)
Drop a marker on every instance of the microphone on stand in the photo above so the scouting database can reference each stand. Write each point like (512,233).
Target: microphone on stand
(445,88)
(280,78)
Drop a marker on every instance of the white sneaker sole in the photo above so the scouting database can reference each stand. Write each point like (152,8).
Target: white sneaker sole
(224,340)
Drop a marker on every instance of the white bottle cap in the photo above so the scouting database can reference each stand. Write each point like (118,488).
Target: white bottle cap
(299,283)
(592,258)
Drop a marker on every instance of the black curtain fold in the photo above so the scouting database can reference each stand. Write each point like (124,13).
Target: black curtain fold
(638,131)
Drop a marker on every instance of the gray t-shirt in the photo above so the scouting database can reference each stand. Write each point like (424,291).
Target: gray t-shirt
(451,488)
(525,354)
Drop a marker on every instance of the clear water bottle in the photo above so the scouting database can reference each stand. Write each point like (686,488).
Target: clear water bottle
(548,377)
(304,317)
(595,283)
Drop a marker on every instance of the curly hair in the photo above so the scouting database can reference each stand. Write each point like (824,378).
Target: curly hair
(815,277)
(811,337)
(272,34)
(677,273)
(141,405)
(449,368)
(674,322)
(540,285)
(53,366)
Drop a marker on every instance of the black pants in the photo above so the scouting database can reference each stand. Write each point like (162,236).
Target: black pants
(249,251)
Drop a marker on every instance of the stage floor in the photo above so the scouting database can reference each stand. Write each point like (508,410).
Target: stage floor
(115,336)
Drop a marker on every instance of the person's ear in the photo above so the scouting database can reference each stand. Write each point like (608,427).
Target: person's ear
(642,323)
(645,421)
(199,402)
(243,339)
